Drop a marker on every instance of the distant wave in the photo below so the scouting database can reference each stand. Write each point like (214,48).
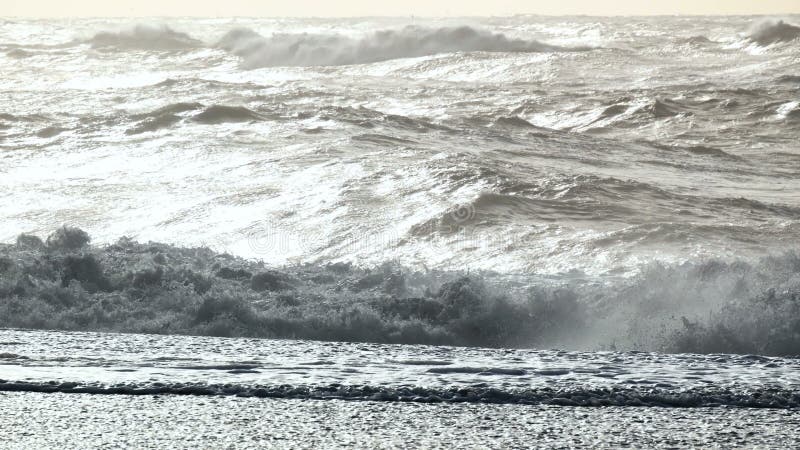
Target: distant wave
(711,151)
(145,37)
(51,131)
(18,53)
(698,40)
(22,118)
(704,306)
(336,50)
(789,79)
(664,108)
(773,31)
(700,150)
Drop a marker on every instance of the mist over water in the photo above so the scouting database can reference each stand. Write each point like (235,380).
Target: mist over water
(524,182)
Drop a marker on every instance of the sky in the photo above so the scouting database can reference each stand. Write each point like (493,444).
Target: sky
(340,8)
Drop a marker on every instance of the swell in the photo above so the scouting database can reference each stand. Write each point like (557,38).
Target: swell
(706,306)
(683,110)
(789,79)
(577,397)
(697,40)
(595,199)
(699,150)
(175,113)
(337,50)
(22,118)
(224,114)
(364,117)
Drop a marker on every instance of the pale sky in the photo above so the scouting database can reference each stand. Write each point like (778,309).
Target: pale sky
(334,8)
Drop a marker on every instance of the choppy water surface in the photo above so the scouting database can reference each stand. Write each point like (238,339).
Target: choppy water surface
(614,181)
(525,144)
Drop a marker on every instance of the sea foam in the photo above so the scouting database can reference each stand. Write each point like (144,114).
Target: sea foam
(704,306)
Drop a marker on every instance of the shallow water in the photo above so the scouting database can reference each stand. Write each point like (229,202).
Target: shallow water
(147,364)
(77,420)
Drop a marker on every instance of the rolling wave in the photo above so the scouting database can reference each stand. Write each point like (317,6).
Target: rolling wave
(172,114)
(337,50)
(592,198)
(162,118)
(145,37)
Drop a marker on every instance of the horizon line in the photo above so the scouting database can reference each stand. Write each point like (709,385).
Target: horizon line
(393,16)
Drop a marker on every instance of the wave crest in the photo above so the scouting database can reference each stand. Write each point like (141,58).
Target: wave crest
(145,37)
(337,50)
(773,31)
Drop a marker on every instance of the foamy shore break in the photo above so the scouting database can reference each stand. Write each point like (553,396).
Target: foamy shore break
(776,399)
(698,307)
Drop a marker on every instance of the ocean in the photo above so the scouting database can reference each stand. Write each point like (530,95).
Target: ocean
(462,219)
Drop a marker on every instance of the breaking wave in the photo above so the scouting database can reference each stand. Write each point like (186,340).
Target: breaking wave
(145,37)
(336,50)
(773,31)
(576,397)
(703,306)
